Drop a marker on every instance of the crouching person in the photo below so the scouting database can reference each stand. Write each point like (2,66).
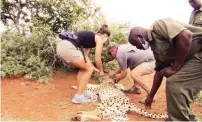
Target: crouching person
(140,62)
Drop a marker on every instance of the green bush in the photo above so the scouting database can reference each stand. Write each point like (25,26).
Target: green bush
(198,97)
(33,56)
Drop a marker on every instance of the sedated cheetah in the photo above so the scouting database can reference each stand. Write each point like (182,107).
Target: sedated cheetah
(114,104)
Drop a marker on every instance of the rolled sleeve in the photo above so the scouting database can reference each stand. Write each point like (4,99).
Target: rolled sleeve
(167,28)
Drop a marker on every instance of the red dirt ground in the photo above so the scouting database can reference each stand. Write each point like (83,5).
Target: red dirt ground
(25,100)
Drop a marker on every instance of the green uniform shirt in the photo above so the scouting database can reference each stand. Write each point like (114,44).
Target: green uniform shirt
(196,18)
(161,40)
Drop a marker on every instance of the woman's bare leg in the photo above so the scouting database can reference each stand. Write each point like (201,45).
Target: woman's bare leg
(84,74)
(83,79)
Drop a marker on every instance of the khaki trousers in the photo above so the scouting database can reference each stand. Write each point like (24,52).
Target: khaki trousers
(68,52)
(182,87)
(142,69)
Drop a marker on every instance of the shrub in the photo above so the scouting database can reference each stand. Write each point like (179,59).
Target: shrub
(32,56)
(35,56)
(198,98)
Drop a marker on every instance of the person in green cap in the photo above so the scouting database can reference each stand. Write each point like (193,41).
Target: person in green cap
(177,48)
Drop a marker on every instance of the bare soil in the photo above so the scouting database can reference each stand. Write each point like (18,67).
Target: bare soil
(26,100)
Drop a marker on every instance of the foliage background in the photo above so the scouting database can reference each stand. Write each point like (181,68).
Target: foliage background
(28,46)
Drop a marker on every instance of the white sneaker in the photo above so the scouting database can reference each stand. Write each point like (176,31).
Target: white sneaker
(80,99)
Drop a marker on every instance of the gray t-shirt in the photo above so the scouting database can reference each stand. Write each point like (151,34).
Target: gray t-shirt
(130,56)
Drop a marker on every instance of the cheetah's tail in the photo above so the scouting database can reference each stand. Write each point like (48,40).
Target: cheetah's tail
(134,108)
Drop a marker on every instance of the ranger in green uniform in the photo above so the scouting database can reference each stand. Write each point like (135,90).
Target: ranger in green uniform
(177,48)
(196,15)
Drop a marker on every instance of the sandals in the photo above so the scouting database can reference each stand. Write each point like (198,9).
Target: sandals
(133,90)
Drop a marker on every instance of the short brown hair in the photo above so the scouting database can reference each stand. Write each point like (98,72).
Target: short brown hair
(104,29)
(111,46)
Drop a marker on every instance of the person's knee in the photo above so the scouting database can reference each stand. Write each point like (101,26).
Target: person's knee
(135,75)
(90,68)
(171,81)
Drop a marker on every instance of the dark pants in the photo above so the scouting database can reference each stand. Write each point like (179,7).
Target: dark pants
(182,87)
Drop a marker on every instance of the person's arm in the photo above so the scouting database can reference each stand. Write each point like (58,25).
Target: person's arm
(122,57)
(117,71)
(121,75)
(182,44)
(156,84)
(98,53)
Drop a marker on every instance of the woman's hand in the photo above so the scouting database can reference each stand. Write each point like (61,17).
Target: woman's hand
(96,70)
